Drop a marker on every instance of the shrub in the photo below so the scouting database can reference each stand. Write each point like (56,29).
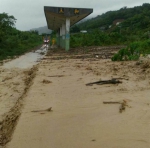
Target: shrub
(133,51)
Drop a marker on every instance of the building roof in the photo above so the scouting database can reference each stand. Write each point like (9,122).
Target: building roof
(56,16)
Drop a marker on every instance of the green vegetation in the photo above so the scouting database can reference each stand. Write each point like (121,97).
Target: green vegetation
(133,51)
(133,20)
(127,26)
(14,42)
(97,38)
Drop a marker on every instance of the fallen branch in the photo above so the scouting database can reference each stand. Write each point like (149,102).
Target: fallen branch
(112,81)
(48,110)
(110,102)
(122,107)
(57,76)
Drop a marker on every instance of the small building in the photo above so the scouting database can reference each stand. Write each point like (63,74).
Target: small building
(83,31)
(117,22)
(102,28)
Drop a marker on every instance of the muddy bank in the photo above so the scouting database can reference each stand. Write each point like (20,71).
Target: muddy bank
(13,99)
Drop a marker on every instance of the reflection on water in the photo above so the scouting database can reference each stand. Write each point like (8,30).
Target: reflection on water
(27,60)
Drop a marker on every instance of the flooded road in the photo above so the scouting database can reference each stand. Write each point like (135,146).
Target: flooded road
(15,78)
(27,60)
(79,117)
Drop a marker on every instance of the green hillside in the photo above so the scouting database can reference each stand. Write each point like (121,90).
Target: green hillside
(114,27)
(136,19)
(127,26)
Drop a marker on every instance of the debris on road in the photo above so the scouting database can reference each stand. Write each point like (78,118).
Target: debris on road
(122,107)
(45,110)
(57,76)
(112,102)
(101,82)
(46,81)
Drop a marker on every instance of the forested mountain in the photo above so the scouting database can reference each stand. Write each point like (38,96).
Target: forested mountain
(133,20)
(127,26)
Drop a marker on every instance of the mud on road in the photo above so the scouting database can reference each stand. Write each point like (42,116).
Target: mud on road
(59,81)
(14,86)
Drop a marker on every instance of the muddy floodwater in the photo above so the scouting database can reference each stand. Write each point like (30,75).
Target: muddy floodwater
(27,60)
(50,105)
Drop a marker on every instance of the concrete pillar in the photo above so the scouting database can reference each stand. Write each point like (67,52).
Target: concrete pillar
(58,38)
(63,35)
(67,40)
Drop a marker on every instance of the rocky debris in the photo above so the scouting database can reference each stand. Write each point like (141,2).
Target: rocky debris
(88,68)
(123,106)
(85,52)
(6,78)
(146,64)
(46,81)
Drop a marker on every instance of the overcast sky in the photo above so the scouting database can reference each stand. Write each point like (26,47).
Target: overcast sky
(30,13)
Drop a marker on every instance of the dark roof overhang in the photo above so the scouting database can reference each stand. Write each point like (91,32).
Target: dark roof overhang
(56,16)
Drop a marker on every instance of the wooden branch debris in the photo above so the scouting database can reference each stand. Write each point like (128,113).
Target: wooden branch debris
(45,110)
(122,107)
(112,102)
(112,81)
(57,76)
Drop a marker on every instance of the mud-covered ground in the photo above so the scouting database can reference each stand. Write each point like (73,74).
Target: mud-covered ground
(16,76)
(14,86)
(60,110)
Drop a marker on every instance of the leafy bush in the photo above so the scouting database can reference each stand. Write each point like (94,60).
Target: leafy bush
(14,42)
(133,51)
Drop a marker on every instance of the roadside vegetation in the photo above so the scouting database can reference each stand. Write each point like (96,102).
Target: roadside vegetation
(97,38)
(133,51)
(127,26)
(14,42)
